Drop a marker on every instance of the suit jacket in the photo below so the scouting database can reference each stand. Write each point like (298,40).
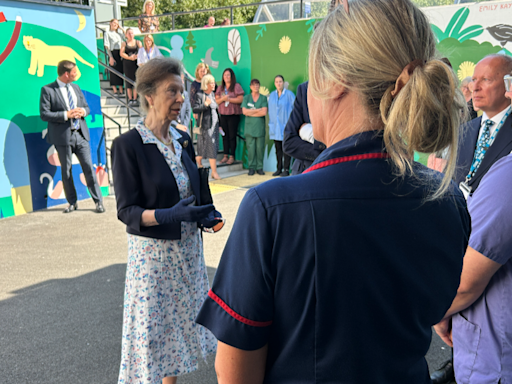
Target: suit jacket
(143,180)
(501,147)
(51,106)
(303,152)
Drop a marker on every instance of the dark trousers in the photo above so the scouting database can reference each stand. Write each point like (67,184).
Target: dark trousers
(280,154)
(229,124)
(80,147)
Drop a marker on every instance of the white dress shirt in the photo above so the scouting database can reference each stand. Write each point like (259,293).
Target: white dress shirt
(496,119)
(64,91)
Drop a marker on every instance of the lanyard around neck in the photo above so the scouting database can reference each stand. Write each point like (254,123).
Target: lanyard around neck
(477,159)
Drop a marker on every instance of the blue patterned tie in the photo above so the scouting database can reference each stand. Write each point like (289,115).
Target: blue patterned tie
(74,122)
(483,142)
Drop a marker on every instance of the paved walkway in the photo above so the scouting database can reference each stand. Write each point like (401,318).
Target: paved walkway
(61,291)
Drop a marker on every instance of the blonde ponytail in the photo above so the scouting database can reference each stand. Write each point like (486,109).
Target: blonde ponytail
(365,52)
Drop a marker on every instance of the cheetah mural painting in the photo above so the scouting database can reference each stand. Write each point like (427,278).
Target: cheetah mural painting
(34,37)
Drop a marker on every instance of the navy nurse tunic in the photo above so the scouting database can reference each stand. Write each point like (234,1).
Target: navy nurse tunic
(342,270)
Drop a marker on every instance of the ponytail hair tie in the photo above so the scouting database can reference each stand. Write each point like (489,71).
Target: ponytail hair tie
(405,76)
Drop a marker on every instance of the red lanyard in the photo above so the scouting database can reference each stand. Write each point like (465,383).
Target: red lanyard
(346,159)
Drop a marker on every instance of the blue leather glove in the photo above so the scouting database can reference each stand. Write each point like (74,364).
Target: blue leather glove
(211,220)
(183,211)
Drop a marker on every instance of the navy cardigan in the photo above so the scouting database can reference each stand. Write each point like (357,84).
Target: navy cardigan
(143,180)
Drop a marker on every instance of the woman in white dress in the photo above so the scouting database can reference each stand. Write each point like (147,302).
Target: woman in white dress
(157,183)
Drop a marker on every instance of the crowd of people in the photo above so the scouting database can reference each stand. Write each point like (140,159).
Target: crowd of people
(339,273)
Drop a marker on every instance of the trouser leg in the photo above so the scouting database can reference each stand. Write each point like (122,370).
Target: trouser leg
(287,160)
(260,151)
(251,151)
(233,131)
(279,154)
(83,152)
(65,157)
(225,139)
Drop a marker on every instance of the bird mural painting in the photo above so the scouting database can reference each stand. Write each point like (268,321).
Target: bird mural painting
(501,32)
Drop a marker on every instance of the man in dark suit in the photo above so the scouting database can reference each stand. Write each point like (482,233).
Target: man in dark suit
(64,107)
(485,140)
(304,151)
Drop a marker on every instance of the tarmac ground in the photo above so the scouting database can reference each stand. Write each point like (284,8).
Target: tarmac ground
(61,291)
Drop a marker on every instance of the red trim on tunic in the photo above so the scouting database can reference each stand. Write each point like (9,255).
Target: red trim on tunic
(366,156)
(232,313)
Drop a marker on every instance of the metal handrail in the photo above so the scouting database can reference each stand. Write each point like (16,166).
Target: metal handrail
(230,7)
(112,120)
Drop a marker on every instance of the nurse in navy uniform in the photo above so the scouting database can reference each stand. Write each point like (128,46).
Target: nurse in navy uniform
(338,274)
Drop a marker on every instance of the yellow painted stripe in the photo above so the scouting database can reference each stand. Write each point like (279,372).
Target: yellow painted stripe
(22,199)
(219,188)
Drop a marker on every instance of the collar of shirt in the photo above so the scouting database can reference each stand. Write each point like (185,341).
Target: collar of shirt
(149,138)
(496,119)
(61,84)
(358,144)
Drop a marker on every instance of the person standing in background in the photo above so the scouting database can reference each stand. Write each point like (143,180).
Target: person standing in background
(280,105)
(298,134)
(64,107)
(254,107)
(211,22)
(186,108)
(205,106)
(466,91)
(129,53)
(229,96)
(148,22)
(112,40)
(201,70)
(148,51)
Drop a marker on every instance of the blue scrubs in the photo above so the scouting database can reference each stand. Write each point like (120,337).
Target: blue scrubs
(342,270)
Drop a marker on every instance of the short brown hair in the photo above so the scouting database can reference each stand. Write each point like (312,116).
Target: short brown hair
(65,66)
(152,74)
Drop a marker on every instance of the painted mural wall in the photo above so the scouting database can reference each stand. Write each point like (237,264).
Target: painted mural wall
(33,39)
(466,34)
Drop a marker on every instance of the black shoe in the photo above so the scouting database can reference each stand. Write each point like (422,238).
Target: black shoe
(260,172)
(71,208)
(277,173)
(285,173)
(444,375)
(100,208)
(251,172)
(136,103)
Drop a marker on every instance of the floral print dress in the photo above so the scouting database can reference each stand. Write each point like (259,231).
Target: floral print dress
(166,284)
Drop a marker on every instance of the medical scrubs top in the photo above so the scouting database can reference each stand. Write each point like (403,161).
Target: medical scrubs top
(254,126)
(342,270)
(279,109)
(482,333)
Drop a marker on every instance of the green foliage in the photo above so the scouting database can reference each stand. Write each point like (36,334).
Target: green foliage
(195,20)
(454,27)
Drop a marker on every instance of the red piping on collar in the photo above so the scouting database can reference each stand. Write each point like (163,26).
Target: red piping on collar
(365,156)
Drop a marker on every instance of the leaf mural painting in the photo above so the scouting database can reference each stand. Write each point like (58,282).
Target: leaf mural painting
(454,27)
(234,46)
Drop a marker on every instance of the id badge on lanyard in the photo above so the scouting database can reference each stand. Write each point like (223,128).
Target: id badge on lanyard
(465,189)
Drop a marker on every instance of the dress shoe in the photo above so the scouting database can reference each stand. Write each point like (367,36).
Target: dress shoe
(260,172)
(251,172)
(71,208)
(277,173)
(100,208)
(285,173)
(444,375)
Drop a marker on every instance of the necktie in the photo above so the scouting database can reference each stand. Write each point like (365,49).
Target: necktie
(74,122)
(483,142)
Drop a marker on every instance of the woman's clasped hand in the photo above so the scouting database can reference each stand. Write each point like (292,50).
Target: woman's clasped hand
(184,211)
